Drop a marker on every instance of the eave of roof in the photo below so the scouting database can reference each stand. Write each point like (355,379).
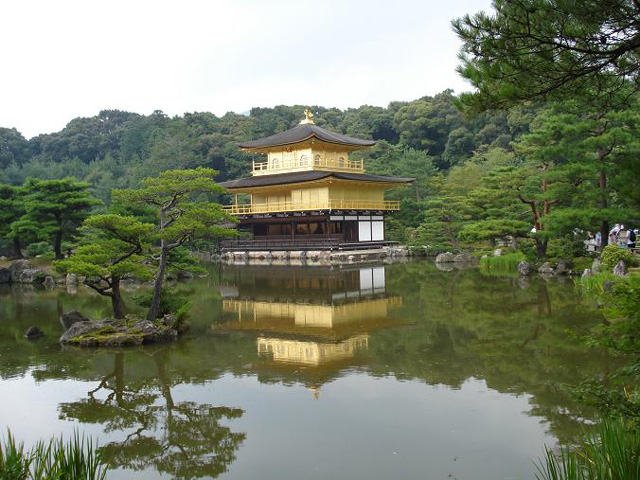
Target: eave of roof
(303,132)
(308,176)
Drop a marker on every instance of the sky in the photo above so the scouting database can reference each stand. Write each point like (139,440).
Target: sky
(65,59)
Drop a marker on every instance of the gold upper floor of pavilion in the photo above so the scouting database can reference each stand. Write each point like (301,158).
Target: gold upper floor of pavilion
(307,168)
(306,147)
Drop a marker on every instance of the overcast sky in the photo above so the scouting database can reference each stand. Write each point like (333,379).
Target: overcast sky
(65,59)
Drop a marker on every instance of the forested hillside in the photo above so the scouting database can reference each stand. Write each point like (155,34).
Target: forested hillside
(478,177)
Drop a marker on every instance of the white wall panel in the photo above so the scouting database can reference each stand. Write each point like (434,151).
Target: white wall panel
(377,230)
(364,231)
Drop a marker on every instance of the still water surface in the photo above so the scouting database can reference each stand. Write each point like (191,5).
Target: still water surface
(398,371)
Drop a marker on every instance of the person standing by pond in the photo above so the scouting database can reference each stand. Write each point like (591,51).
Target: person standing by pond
(631,238)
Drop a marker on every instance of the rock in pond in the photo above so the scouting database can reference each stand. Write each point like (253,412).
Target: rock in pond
(446,257)
(68,319)
(524,268)
(109,332)
(561,268)
(465,258)
(32,333)
(49,282)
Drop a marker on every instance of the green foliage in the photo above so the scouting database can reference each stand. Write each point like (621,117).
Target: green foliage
(171,302)
(76,458)
(14,461)
(11,210)
(613,453)
(541,49)
(55,209)
(613,253)
(619,334)
(180,217)
(39,249)
(112,248)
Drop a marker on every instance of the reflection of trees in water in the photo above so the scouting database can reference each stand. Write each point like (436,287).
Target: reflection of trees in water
(182,439)
(520,341)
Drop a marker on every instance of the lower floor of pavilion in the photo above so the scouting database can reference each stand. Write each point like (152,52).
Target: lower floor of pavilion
(313,231)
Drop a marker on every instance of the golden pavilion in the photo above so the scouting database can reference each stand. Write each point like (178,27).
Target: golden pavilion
(308,194)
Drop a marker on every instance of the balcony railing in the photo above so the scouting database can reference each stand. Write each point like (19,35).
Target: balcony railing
(281,207)
(336,164)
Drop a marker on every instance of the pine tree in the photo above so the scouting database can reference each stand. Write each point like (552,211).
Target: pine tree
(11,209)
(180,218)
(55,209)
(112,247)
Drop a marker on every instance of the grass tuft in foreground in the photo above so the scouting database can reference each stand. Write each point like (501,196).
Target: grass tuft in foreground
(76,458)
(612,453)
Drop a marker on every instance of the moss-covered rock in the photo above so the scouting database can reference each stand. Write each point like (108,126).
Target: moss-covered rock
(109,332)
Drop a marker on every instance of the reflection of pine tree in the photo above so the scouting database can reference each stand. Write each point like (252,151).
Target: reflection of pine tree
(183,439)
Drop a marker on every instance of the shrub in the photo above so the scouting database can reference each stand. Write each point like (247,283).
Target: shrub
(170,302)
(612,254)
(39,248)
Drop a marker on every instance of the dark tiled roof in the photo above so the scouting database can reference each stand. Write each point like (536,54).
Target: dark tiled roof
(304,132)
(308,176)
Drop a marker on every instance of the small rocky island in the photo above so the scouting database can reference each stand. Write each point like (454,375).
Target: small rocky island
(109,332)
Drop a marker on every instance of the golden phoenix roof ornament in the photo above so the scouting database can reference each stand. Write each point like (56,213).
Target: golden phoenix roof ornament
(308,116)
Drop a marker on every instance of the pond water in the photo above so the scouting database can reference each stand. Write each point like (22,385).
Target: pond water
(398,371)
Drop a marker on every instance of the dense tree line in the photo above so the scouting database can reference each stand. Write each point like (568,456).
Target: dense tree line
(118,149)
(553,166)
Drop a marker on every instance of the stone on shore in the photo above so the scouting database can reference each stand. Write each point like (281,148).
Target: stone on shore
(620,269)
(23,272)
(545,268)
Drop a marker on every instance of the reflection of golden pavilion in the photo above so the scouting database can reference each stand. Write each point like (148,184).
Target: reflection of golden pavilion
(311,353)
(321,316)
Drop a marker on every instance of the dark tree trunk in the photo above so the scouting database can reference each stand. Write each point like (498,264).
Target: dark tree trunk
(154,308)
(165,382)
(57,245)
(118,373)
(116,299)
(541,248)
(17,248)
(604,228)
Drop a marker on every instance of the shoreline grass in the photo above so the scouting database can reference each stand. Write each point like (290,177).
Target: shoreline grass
(75,458)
